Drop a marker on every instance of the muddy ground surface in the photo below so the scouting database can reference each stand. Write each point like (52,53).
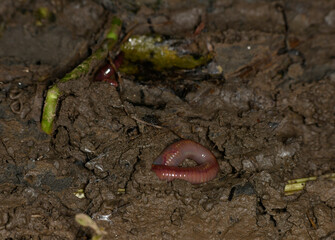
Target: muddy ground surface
(265,106)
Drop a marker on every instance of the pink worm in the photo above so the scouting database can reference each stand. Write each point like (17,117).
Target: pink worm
(166,164)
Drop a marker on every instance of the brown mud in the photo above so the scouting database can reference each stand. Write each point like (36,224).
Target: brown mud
(268,117)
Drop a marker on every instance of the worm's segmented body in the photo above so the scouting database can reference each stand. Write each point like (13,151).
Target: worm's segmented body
(166,164)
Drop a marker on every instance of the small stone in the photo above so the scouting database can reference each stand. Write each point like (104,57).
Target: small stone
(330,18)
(208,206)
(214,68)
(248,166)
(300,23)
(30,143)
(10,151)
(295,71)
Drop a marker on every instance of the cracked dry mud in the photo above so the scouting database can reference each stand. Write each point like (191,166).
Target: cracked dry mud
(269,117)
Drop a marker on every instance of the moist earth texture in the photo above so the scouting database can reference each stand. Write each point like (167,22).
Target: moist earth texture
(264,105)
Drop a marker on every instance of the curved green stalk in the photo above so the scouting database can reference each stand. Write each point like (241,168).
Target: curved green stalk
(51,101)
(50,107)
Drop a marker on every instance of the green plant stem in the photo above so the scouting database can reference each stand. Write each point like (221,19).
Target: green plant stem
(53,94)
(50,106)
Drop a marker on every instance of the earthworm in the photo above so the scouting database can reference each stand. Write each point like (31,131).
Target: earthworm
(166,164)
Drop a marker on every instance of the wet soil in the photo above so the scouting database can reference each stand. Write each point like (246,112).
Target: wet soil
(265,106)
